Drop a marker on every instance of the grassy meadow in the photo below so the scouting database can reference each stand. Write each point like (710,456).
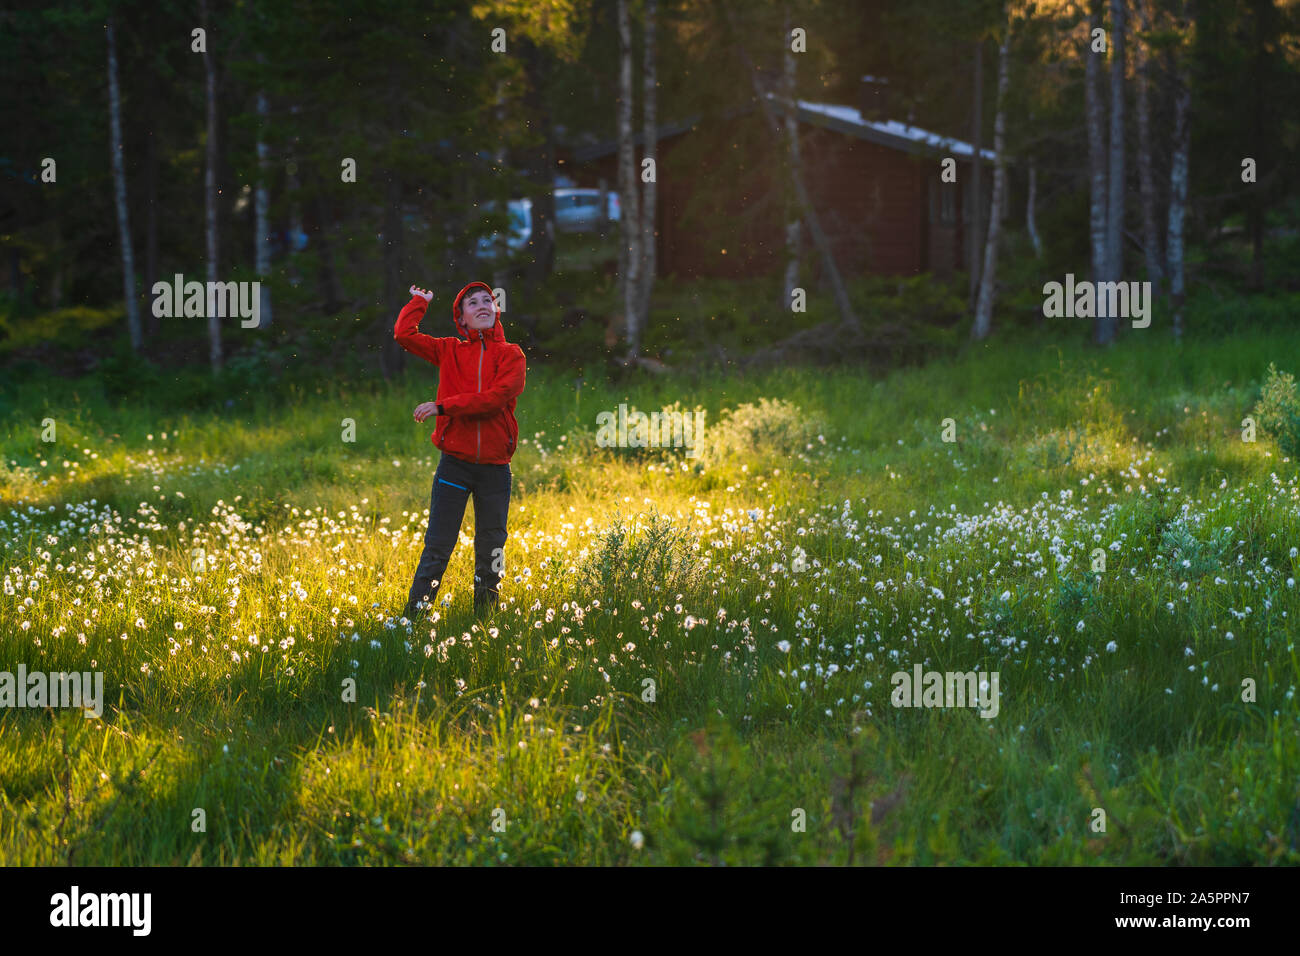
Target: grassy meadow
(692,659)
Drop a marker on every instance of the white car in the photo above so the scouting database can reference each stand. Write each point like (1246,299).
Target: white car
(578,210)
(521,228)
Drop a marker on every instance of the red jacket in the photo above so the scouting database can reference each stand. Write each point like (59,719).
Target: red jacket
(480,374)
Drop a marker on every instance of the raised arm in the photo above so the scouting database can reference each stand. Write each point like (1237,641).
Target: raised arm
(407,332)
(505,385)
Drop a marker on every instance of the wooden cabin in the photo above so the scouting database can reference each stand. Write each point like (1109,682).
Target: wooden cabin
(875,183)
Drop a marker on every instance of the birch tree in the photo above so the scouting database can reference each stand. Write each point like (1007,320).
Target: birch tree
(152,323)
(649,114)
(1095,110)
(807,210)
(210,187)
(1031,214)
(261,215)
(1146,175)
(1178,174)
(988,275)
(974,230)
(1115,172)
(630,257)
(789,89)
(119,192)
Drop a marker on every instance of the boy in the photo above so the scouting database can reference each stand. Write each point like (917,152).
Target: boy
(480,375)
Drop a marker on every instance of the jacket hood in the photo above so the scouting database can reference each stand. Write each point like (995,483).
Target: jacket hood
(496,332)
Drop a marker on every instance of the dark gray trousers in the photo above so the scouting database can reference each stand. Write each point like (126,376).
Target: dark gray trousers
(454,483)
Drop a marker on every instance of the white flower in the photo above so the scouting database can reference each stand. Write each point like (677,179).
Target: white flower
(638,839)
(1112,647)
(1079,626)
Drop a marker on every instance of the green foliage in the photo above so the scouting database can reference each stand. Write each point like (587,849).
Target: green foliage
(61,326)
(123,373)
(770,427)
(651,552)
(1190,556)
(1075,597)
(1278,410)
(727,808)
(1120,689)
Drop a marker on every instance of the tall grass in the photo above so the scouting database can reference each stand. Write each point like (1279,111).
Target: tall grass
(695,649)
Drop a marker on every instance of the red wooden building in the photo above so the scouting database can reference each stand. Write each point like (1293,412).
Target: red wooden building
(875,183)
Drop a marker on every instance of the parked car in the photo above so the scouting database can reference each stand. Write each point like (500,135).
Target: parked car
(521,229)
(578,210)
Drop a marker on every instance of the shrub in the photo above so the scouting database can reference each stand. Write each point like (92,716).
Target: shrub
(1188,555)
(124,374)
(772,426)
(67,326)
(670,433)
(654,555)
(1278,410)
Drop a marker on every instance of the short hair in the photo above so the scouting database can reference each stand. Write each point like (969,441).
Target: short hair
(477,287)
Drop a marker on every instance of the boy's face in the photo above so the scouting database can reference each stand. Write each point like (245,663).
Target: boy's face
(478,310)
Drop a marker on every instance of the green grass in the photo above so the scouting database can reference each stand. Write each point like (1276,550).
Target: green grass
(637,677)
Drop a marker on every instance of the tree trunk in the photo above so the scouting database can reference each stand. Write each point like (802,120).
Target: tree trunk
(649,120)
(1262,145)
(974,228)
(1095,110)
(1146,176)
(59,262)
(789,89)
(390,354)
(261,209)
(1178,195)
(1031,216)
(56,285)
(152,324)
(210,191)
(119,194)
(293,189)
(602,229)
(1115,175)
(628,188)
(327,276)
(541,164)
(989,274)
(807,209)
